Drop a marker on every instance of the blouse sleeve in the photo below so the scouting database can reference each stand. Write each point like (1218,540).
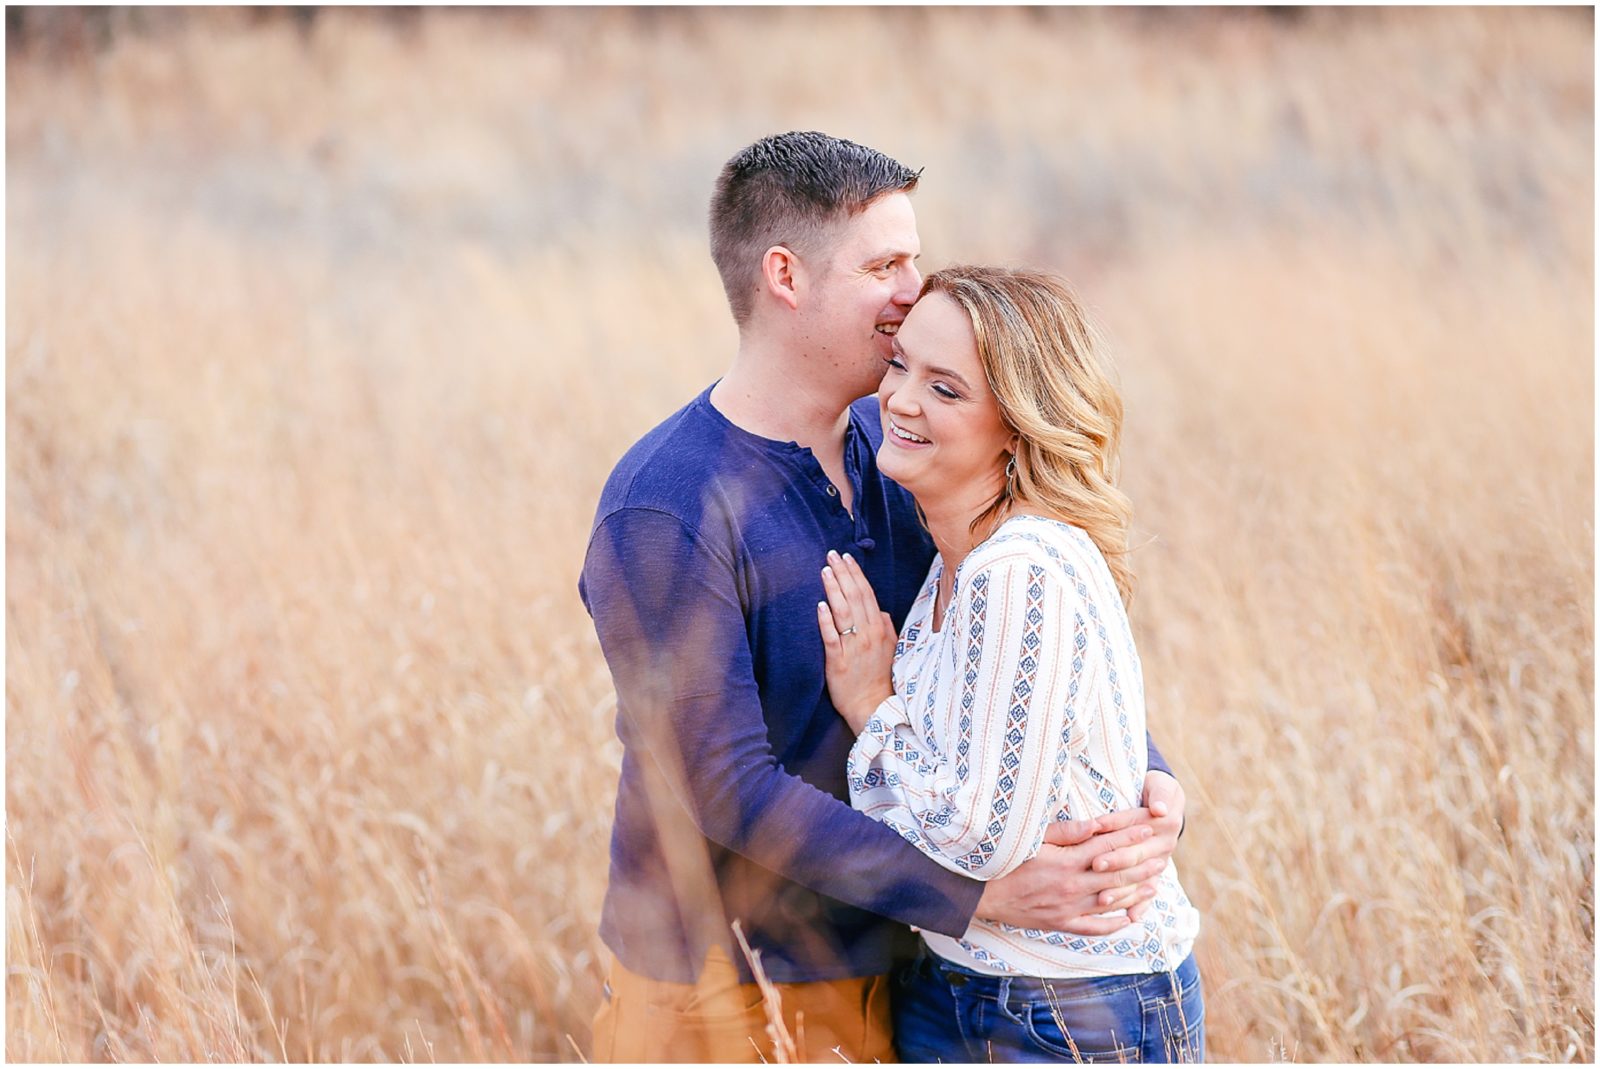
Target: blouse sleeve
(982,807)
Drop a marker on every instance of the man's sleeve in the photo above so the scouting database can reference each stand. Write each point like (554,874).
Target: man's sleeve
(667,611)
(1157,762)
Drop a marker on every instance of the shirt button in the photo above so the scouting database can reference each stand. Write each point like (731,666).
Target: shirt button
(833,491)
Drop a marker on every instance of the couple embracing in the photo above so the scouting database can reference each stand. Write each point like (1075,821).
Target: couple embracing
(877,693)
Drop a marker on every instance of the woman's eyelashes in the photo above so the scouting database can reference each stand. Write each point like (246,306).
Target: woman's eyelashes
(938,387)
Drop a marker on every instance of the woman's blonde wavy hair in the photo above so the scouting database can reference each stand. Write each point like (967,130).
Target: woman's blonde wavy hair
(1044,363)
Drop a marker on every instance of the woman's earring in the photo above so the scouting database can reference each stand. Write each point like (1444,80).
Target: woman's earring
(1011,468)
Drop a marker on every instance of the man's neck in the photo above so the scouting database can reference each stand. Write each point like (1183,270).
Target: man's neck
(762,395)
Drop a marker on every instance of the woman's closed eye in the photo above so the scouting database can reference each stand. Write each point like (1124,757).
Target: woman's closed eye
(938,387)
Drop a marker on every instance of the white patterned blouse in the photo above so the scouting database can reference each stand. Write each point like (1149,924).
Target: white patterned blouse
(1027,707)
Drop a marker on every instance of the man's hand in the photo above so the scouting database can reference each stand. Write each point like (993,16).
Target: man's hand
(1089,867)
(1060,891)
(1163,798)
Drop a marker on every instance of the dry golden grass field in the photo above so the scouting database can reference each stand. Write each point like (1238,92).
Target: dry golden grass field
(323,332)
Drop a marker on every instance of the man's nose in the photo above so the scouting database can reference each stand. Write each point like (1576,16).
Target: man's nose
(910,286)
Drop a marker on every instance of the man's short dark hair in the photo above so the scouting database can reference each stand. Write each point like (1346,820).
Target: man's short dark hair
(785,190)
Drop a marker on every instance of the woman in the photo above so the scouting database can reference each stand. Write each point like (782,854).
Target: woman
(1013,696)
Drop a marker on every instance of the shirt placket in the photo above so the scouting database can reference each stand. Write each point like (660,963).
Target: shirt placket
(855,463)
(850,530)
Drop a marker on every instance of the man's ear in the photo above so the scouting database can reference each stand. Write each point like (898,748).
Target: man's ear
(781,274)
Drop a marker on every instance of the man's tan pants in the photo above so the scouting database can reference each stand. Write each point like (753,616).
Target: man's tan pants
(718,1019)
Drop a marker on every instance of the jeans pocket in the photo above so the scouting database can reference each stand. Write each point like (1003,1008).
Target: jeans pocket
(1174,1019)
(1192,1048)
(929,1019)
(1081,1030)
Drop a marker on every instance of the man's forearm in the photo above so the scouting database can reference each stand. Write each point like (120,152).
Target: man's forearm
(736,795)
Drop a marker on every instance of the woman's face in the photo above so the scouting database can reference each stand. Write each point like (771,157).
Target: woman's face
(943,438)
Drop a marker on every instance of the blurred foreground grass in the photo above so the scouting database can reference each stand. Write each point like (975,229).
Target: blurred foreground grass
(323,332)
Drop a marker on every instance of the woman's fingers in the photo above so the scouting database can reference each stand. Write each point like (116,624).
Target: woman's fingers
(830,633)
(862,595)
(1093,924)
(832,645)
(1126,897)
(1117,898)
(851,600)
(844,617)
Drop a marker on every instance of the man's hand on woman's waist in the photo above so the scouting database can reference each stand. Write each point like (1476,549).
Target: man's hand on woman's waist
(1089,867)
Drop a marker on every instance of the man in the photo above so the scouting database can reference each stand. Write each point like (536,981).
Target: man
(703,576)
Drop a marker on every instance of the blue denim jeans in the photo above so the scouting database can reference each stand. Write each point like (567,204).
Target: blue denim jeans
(945,1013)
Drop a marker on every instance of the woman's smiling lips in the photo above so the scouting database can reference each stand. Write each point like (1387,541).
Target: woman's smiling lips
(904,438)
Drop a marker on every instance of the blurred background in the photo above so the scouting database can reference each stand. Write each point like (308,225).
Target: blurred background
(324,328)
